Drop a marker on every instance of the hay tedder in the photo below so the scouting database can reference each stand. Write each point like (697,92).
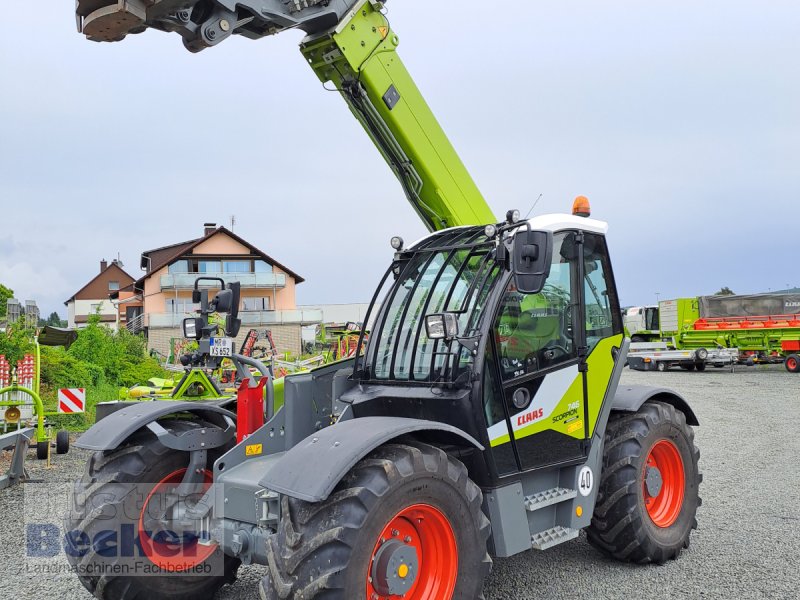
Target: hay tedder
(22,414)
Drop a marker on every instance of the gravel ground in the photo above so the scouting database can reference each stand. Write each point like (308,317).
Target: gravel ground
(747,544)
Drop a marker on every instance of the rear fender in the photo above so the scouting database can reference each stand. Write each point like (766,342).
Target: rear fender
(629,398)
(312,469)
(119,426)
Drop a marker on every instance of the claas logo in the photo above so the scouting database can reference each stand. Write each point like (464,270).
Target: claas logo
(530,417)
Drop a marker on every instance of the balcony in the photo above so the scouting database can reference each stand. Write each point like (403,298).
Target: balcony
(185,281)
(254,318)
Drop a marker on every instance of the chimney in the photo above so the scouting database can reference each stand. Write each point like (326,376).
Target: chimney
(103,265)
(209,228)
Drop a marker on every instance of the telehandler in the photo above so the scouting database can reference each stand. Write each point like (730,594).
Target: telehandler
(482,418)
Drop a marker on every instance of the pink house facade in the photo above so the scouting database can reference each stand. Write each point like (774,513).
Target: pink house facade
(268,298)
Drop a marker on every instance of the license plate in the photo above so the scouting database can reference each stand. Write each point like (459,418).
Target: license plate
(221,346)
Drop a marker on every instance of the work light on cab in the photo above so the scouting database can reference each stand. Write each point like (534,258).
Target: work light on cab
(442,326)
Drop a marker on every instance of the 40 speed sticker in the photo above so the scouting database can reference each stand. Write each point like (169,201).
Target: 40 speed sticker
(585,481)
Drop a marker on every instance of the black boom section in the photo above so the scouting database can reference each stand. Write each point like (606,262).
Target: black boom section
(205,23)
(311,469)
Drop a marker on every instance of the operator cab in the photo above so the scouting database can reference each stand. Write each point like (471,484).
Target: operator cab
(508,332)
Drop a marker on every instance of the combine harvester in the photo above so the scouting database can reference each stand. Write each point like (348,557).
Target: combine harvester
(760,328)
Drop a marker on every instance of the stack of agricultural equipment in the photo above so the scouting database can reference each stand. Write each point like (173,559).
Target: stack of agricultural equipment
(760,326)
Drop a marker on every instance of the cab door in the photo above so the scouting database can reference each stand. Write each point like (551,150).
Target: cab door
(536,350)
(603,324)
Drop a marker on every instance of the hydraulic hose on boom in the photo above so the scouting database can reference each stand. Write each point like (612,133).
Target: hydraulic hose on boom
(350,45)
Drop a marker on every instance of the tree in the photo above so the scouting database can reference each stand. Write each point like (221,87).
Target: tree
(725,291)
(54,320)
(5,294)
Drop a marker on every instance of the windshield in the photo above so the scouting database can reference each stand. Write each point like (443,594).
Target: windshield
(452,272)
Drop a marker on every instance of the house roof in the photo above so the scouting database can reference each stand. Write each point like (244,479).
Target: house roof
(157,256)
(112,265)
(161,257)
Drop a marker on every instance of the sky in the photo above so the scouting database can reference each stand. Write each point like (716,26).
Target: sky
(679,120)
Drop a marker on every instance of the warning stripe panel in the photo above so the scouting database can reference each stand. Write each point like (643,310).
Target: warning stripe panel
(71,400)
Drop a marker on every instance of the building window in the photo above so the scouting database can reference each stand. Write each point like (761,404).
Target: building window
(209,266)
(179,266)
(113,286)
(255,304)
(216,266)
(95,308)
(236,266)
(261,266)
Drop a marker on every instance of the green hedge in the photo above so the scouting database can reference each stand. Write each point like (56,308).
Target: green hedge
(100,360)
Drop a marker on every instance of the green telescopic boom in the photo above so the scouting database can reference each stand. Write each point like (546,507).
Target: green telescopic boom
(359,57)
(351,46)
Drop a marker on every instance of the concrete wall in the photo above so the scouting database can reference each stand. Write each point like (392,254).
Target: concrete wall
(341,313)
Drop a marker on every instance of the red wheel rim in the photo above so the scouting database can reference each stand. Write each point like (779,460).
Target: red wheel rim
(163,549)
(665,507)
(791,363)
(429,532)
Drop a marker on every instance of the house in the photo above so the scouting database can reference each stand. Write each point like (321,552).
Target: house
(158,302)
(94,297)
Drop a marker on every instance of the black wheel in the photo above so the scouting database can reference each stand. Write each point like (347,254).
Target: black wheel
(701,353)
(648,495)
(635,339)
(700,366)
(62,442)
(661,366)
(404,522)
(41,449)
(122,494)
(792,363)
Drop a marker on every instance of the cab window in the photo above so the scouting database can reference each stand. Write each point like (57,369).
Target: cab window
(602,307)
(535,331)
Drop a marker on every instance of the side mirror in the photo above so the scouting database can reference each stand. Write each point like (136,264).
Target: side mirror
(531,259)
(442,326)
(222,302)
(232,326)
(193,328)
(236,293)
